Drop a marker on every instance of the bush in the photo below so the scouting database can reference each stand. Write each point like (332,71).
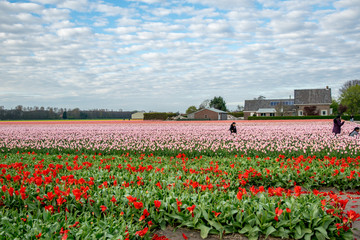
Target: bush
(158,116)
(291,117)
(347,117)
(237,114)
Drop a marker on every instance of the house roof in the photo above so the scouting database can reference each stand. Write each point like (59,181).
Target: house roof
(312,96)
(254,105)
(266,110)
(211,109)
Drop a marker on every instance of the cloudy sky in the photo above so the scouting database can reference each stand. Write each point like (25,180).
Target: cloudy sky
(166,55)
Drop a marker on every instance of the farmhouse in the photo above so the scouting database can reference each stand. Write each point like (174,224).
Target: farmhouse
(313,101)
(208,114)
(269,107)
(305,102)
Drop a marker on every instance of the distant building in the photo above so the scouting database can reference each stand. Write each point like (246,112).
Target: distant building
(208,114)
(305,102)
(269,108)
(311,98)
(137,116)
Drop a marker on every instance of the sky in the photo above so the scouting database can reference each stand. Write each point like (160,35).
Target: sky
(167,55)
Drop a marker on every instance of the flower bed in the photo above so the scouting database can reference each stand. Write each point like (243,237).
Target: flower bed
(265,139)
(119,197)
(124,180)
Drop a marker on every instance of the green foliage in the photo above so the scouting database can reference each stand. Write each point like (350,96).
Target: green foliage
(347,117)
(218,103)
(158,116)
(191,109)
(334,105)
(303,216)
(289,117)
(237,114)
(351,98)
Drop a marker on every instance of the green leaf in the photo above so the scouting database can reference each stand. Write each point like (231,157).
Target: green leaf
(204,231)
(326,223)
(319,236)
(308,236)
(204,213)
(315,213)
(269,231)
(216,225)
(175,216)
(163,225)
(348,236)
(322,231)
(245,229)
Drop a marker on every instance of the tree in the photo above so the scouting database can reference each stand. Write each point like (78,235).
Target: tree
(261,97)
(218,103)
(239,108)
(342,109)
(335,106)
(351,98)
(19,108)
(348,84)
(204,104)
(191,109)
(311,111)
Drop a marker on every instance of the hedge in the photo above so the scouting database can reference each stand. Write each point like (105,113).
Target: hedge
(290,117)
(345,117)
(158,115)
(236,114)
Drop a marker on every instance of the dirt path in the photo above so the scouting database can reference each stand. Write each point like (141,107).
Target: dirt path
(353,204)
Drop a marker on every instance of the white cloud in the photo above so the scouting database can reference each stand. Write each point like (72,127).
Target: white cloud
(77,5)
(148,1)
(73,32)
(224,4)
(110,10)
(52,15)
(92,54)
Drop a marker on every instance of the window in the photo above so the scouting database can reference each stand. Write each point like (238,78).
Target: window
(274,103)
(206,116)
(282,102)
(323,112)
(263,114)
(300,112)
(272,114)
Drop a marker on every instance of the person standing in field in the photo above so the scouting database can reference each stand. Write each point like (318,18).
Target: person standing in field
(355,132)
(337,125)
(232,128)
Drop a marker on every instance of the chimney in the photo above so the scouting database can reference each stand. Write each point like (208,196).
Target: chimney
(327,87)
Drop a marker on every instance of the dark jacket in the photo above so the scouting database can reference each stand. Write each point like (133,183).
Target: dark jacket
(337,125)
(232,128)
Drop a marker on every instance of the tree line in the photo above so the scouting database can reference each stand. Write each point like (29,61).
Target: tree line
(349,99)
(49,113)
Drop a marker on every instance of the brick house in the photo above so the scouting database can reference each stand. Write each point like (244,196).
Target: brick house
(208,114)
(319,99)
(306,101)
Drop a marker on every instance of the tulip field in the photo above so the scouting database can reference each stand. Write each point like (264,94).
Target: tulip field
(128,179)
